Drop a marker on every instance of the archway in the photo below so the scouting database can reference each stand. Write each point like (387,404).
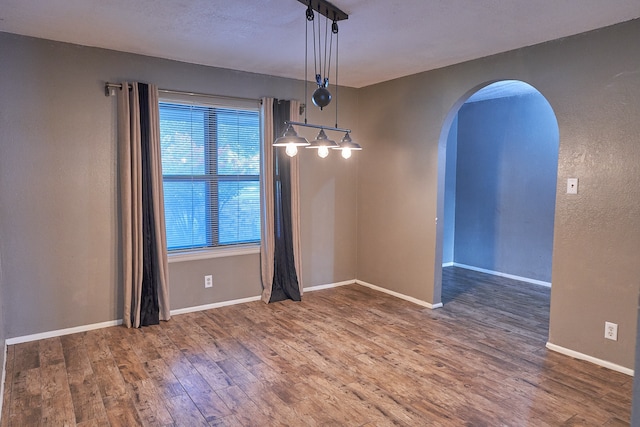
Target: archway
(498,154)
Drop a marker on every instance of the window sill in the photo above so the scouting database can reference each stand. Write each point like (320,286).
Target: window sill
(213,253)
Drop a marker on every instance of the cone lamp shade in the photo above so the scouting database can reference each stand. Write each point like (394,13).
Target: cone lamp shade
(291,141)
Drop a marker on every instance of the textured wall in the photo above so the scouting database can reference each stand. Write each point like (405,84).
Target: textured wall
(58,177)
(3,333)
(507,161)
(397,185)
(592,82)
(635,412)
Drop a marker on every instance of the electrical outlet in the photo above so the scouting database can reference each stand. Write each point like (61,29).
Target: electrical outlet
(572,186)
(611,331)
(208,281)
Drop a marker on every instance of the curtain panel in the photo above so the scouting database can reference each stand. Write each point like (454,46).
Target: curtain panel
(143,239)
(280,244)
(267,233)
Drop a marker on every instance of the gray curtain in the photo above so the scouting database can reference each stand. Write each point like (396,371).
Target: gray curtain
(280,245)
(143,240)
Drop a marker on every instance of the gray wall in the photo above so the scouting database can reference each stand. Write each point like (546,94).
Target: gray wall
(3,333)
(58,204)
(635,411)
(507,161)
(592,82)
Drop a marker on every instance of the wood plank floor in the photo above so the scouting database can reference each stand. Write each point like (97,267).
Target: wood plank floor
(347,356)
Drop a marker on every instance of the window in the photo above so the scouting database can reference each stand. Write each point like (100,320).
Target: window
(211,171)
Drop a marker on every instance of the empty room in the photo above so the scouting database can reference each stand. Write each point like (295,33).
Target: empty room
(298,212)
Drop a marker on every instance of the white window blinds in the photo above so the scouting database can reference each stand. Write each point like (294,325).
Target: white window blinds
(211,170)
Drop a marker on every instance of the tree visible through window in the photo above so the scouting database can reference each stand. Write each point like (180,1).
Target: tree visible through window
(211,170)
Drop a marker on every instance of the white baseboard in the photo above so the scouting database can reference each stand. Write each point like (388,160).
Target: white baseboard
(399,295)
(497,273)
(214,305)
(329,285)
(251,299)
(60,332)
(447,264)
(84,328)
(582,356)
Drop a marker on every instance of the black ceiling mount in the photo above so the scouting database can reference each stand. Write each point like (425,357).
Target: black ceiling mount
(326,9)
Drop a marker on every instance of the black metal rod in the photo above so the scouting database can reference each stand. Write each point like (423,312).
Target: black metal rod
(309,125)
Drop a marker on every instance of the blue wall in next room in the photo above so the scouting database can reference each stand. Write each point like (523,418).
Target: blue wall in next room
(505,185)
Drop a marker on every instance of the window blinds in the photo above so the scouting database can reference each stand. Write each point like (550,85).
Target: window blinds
(211,168)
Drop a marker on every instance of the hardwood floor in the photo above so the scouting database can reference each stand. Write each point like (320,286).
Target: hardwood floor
(348,356)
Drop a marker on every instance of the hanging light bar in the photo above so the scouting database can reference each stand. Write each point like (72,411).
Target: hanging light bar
(309,125)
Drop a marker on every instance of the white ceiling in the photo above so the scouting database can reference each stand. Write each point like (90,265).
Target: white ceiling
(381,40)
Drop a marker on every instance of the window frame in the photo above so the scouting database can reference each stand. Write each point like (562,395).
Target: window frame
(211,178)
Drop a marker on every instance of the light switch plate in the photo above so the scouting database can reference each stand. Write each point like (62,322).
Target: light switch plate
(572,186)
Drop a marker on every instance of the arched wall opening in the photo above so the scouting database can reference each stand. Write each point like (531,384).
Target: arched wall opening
(497,171)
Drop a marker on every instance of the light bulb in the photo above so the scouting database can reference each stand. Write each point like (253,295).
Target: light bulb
(323,151)
(291,150)
(346,153)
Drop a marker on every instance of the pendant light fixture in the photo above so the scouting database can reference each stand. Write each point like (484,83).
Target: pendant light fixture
(321,96)
(291,141)
(347,146)
(322,143)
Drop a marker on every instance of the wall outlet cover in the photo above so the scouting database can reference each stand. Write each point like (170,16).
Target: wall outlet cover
(611,331)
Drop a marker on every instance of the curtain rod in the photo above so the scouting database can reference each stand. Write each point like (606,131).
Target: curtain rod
(109,86)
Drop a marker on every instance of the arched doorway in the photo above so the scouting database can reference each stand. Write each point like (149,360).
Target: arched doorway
(497,183)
